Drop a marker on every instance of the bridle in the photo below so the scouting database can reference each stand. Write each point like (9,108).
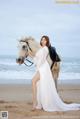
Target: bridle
(26,57)
(29,62)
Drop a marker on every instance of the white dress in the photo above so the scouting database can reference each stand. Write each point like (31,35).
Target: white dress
(47,96)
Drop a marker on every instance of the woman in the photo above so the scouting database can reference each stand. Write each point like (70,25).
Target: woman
(45,95)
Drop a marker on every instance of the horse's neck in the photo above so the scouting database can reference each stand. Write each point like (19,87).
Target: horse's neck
(35,47)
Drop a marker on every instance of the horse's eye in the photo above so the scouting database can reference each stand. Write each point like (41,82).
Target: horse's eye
(23,47)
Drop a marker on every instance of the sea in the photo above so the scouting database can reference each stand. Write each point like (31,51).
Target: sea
(13,73)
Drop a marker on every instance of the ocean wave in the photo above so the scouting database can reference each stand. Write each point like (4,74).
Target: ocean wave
(9,63)
(9,69)
(69,75)
(15,75)
(29,74)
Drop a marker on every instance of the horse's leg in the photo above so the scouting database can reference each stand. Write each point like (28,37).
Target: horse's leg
(55,73)
(35,79)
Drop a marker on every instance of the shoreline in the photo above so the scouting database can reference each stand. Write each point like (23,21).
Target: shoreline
(28,81)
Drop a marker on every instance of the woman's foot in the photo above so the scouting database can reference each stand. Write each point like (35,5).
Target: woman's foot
(38,108)
(34,107)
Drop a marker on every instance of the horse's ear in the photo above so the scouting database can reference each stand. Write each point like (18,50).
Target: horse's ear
(23,39)
(19,40)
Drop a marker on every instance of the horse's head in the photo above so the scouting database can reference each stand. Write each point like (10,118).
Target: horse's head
(26,45)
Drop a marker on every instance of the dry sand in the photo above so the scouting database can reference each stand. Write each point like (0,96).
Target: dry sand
(17,100)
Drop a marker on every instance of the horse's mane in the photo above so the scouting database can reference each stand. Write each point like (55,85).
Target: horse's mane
(32,42)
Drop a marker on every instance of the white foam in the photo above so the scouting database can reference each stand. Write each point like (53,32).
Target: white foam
(15,75)
(71,75)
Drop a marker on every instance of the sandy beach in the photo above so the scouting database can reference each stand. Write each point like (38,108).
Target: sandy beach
(17,100)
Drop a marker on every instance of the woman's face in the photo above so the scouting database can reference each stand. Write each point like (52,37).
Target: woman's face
(43,42)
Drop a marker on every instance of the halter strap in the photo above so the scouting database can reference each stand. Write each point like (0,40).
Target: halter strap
(27,44)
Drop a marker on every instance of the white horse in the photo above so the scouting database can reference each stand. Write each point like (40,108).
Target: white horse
(29,44)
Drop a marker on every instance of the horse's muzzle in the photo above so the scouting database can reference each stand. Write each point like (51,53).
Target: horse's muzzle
(20,60)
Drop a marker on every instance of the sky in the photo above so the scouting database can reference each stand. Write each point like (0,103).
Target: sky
(61,22)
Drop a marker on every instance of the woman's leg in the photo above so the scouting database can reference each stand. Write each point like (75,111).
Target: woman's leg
(34,88)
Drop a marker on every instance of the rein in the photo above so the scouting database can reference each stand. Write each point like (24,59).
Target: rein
(29,62)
